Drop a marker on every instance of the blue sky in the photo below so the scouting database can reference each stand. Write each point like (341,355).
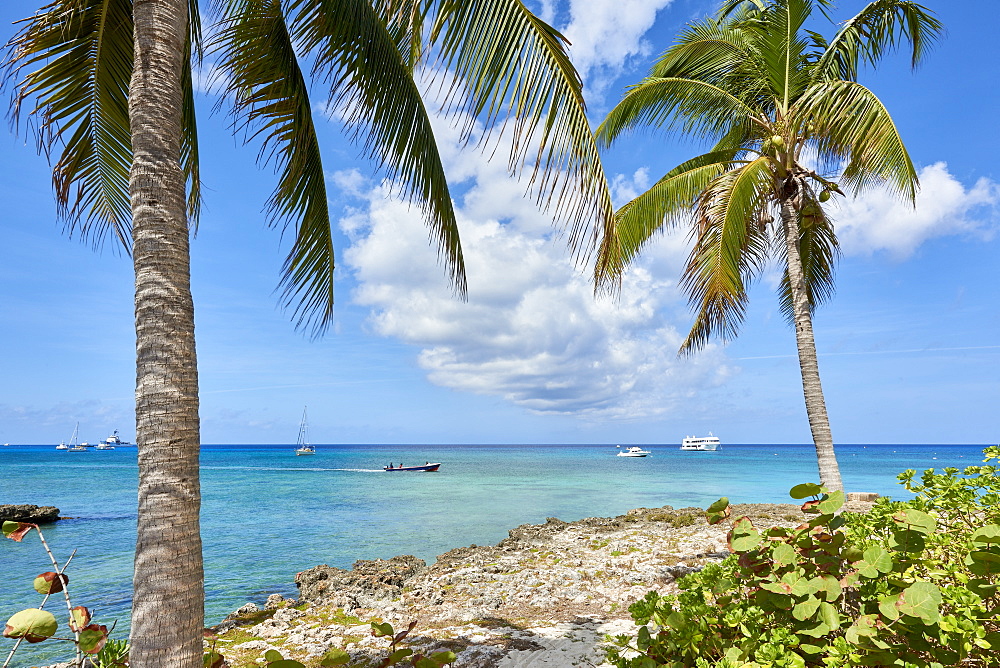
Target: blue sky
(909,350)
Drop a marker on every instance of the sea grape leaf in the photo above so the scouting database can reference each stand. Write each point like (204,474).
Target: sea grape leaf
(806,609)
(379,630)
(286,663)
(879,559)
(921,599)
(907,540)
(832,502)
(79,618)
(829,615)
(812,649)
(442,658)
(399,655)
(334,657)
(272,655)
(33,624)
(889,606)
(16,531)
(821,628)
(829,586)
(50,582)
(805,490)
(718,511)
(853,554)
(916,520)
(426,662)
(811,506)
(783,554)
(743,537)
(781,601)
(864,626)
(212,659)
(93,638)
(984,555)
(987,534)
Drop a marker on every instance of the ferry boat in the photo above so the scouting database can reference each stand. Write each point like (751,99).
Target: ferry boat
(632,452)
(111,441)
(304,448)
(702,443)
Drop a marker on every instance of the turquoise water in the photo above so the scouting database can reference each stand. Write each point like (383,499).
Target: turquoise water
(268,514)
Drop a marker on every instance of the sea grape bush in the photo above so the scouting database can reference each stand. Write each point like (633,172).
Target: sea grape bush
(36,625)
(911,584)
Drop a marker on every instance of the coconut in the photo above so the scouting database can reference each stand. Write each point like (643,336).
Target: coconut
(824,196)
(778,142)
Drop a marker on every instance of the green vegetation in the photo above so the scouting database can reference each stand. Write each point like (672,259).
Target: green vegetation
(36,625)
(912,584)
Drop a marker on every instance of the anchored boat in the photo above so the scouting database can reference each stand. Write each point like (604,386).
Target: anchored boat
(703,443)
(304,448)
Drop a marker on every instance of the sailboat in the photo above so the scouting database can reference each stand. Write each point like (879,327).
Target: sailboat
(303,447)
(74,445)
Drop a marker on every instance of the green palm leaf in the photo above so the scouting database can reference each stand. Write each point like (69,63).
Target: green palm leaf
(511,64)
(730,250)
(79,97)
(694,107)
(270,99)
(880,27)
(850,123)
(667,203)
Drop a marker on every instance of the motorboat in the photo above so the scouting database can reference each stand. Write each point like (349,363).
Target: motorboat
(424,467)
(104,445)
(708,443)
(304,448)
(633,451)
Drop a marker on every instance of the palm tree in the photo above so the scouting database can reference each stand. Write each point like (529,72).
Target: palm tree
(109,83)
(774,98)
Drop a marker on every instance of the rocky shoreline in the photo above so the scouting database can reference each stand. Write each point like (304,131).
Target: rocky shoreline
(545,596)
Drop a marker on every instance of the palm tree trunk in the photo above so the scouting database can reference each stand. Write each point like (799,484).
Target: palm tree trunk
(168,600)
(812,389)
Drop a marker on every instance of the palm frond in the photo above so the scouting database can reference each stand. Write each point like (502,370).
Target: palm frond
(693,107)
(781,49)
(514,68)
(670,201)
(818,250)
(190,162)
(79,99)
(730,250)
(879,28)
(270,99)
(372,88)
(850,124)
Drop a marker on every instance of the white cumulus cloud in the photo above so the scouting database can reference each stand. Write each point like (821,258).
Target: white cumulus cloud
(608,35)
(531,332)
(879,221)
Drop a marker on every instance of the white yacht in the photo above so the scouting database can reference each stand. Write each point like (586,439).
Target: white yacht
(633,451)
(111,441)
(703,443)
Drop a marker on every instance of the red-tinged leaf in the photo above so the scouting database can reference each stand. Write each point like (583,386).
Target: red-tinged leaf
(50,583)
(93,638)
(79,618)
(33,624)
(210,634)
(16,531)
(811,506)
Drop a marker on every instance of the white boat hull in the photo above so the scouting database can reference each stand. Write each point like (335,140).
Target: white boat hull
(708,443)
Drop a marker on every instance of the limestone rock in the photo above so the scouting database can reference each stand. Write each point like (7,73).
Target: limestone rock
(28,513)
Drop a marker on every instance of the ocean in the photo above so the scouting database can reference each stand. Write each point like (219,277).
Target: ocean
(268,514)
